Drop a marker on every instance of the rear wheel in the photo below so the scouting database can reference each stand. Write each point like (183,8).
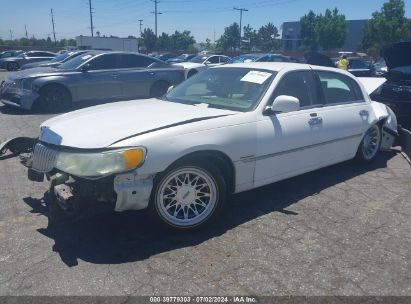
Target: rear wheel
(189,195)
(159,89)
(54,98)
(12,66)
(370,145)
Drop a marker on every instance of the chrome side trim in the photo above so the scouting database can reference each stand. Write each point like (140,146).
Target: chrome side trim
(305,147)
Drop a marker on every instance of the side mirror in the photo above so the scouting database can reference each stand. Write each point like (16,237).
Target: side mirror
(85,67)
(169,89)
(284,104)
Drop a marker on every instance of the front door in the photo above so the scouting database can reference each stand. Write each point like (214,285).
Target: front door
(288,142)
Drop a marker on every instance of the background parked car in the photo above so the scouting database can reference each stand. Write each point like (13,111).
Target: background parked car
(14,63)
(396,91)
(259,57)
(10,53)
(201,62)
(380,68)
(181,58)
(360,67)
(164,57)
(59,59)
(94,76)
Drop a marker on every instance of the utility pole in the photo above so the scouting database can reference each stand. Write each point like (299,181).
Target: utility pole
(52,22)
(11,35)
(25,27)
(241,19)
(141,23)
(91,18)
(155,14)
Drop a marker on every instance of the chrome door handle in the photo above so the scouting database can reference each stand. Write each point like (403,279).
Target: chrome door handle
(315,121)
(114,75)
(152,73)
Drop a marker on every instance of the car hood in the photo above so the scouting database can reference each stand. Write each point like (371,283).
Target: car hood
(34,64)
(101,126)
(189,65)
(397,55)
(35,72)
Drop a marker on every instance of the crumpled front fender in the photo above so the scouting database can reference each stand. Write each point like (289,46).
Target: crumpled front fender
(17,145)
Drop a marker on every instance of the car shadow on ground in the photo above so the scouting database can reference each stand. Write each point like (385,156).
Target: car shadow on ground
(106,237)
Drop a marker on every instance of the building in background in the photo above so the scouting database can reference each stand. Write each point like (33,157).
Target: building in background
(107,43)
(292,40)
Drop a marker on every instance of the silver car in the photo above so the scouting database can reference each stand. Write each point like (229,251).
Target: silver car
(94,76)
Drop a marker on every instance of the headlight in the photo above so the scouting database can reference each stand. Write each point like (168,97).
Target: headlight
(99,164)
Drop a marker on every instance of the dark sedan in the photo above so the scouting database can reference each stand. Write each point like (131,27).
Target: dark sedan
(94,76)
(14,63)
(11,53)
(259,57)
(56,61)
(360,67)
(396,91)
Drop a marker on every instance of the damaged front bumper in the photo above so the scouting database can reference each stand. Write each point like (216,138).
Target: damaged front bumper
(129,191)
(20,98)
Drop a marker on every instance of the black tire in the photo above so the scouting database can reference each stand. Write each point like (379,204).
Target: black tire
(191,73)
(159,88)
(12,66)
(54,98)
(213,181)
(370,145)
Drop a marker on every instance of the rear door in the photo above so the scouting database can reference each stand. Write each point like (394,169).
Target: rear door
(344,116)
(135,78)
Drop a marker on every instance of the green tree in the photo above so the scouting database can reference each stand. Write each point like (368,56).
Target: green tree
(308,33)
(250,38)
(229,39)
(267,38)
(149,39)
(164,42)
(182,40)
(331,29)
(386,26)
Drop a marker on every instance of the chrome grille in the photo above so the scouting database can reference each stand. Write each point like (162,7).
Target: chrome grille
(44,158)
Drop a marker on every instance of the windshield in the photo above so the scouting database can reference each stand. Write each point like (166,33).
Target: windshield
(75,62)
(243,58)
(60,57)
(198,59)
(21,55)
(238,89)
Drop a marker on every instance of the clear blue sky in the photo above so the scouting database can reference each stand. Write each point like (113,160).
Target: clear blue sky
(201,17)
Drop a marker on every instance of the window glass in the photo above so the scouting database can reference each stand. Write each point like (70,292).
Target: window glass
(135,61)
(213,59)
(105,62)
(338,88)
(237,89)
(299,84)
(224,59)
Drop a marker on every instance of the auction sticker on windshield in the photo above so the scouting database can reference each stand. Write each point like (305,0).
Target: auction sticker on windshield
(256,77)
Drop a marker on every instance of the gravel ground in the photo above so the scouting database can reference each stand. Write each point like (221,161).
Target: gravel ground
(342,230)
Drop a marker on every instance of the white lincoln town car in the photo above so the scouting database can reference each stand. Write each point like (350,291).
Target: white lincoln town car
(226,130)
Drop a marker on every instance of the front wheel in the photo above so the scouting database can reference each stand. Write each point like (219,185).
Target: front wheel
(12,66)
(54,98)
(188,196)
(370,145)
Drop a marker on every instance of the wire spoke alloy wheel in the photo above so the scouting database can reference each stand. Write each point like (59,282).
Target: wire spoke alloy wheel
(371,142)
(186,197)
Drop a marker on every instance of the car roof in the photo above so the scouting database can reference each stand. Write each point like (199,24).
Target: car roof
(278,66)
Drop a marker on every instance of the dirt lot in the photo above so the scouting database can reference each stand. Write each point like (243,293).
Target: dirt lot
(343,230)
